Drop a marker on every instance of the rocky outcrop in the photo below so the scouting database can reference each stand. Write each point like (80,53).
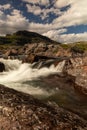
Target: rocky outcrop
(77,67)
(12,52)
(21,111)
(81,84)
(31,58)
(2,67)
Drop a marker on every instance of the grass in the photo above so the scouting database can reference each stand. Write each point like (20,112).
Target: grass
(66,46)
(80,47)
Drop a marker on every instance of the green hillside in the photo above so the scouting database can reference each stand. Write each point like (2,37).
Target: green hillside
(23,37)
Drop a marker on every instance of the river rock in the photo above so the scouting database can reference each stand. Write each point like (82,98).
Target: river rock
(31,58)
(20,111)
(2,67)
(11,52)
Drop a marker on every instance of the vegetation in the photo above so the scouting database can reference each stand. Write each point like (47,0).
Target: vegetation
(79,47)
(23,37)
(66,46)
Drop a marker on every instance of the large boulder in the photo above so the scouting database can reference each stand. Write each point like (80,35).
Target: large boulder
(2,67)
(20,111)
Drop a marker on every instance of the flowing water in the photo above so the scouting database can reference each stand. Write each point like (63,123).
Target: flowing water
(23,77)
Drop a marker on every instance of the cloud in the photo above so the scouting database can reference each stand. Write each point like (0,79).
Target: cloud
(43,13)
(54,33)
(39,27)
(16,21)
(12,22)
(44,2)
(63,3)
(75,15)
(67,38)
(36,10)
(5,7)
(73,37)
(44,28)
(40,2)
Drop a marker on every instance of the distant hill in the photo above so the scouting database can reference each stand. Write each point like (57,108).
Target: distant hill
(23,37)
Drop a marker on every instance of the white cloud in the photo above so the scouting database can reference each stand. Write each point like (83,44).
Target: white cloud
(16,21)
(75,15)
(36,10)
(40,28)
(13,22)
(54,33)
(63,3)
(5,7)
(44,13)
(40,2)
(69,38)
(74,37)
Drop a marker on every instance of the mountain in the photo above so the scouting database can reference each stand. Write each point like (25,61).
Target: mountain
(23,37)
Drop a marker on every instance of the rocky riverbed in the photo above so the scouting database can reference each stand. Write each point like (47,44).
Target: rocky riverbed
(67,107)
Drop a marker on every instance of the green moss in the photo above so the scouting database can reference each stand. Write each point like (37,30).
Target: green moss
(66,46)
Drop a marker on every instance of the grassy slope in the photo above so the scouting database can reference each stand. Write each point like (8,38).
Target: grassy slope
(23,37)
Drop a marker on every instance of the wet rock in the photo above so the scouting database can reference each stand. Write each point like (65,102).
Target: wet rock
(21,111)
(30,48)
(31,58)
(43,63)
(2,67)
(11,52)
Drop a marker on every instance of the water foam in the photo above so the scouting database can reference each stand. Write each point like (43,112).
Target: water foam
(18,74)
(11,64)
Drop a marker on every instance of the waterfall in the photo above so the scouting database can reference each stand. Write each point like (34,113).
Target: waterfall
(18,75)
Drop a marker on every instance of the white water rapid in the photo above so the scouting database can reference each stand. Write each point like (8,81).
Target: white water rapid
(18,75)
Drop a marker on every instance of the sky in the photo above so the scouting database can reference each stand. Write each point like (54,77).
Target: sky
(62,20)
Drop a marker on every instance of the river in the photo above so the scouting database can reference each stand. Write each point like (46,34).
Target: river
(42,84)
